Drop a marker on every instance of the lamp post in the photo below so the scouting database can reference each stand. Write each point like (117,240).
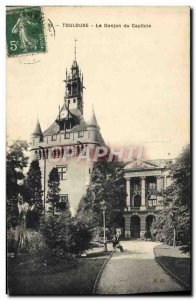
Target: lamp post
(103,207)
(44,157)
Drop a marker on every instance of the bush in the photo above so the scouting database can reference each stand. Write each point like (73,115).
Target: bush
(65,237)
(81,236)
(34,241)
(11,240)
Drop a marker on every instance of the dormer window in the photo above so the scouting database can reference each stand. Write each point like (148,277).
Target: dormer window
(54,137)
(80,133)
(67,135)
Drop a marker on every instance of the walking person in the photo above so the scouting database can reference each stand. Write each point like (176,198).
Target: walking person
(116,243)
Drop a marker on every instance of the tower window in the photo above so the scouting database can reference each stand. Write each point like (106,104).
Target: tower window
(74,88)
(74,100)
(62,171)
(54,137)
(80,133)
(67,135)
(63,202)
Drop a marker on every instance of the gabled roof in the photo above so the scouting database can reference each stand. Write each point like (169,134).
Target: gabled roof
(149,164)
(52,129)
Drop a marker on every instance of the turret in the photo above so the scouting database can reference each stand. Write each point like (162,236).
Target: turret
(37,131)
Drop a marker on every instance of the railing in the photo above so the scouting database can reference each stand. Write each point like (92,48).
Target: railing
(130,208)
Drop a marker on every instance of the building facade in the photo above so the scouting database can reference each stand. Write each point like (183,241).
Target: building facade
(145,184)
(61,144)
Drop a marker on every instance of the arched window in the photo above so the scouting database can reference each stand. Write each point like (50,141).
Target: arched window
(74,88)
(152,201)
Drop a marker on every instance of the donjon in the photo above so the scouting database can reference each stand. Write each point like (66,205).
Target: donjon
(62,143)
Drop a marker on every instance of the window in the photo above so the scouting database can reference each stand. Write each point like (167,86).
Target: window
(74,100)
(152,186)
(54,137)
(74,88)
(136,187)
(62,171)
(80,133)
(63,202)
(67,135)
(152,201)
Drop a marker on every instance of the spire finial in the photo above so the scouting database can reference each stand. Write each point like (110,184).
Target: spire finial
(75,49)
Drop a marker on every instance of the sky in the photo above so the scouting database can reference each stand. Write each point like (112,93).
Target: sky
(137,79)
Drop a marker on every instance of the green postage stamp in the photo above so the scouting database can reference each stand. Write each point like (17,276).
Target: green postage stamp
(25,31)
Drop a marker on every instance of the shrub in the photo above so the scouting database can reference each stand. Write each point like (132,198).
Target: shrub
(65,237)
(81,236)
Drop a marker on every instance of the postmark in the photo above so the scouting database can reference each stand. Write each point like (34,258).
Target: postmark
(25,31)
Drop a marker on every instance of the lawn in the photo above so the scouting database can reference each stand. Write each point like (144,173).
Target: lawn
(78,280)
(176,262)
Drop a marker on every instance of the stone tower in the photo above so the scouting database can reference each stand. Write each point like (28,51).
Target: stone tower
(61,144)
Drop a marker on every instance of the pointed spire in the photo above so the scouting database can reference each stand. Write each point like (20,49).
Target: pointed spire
(37,131)
(74,65)
(75,49)
(93,120)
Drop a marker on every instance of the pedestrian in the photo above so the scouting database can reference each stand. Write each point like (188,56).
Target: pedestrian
(114,242)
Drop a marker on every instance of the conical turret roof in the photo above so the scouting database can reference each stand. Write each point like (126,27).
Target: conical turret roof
(93,120)
(37,131)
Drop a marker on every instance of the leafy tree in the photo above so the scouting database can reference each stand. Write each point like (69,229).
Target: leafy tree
(33,193)
(174,220)
(64,237)
(81,235)
(107,183)
(53,190)
(16,163)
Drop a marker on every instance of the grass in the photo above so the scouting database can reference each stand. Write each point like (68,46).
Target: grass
(176,262)
(78,280)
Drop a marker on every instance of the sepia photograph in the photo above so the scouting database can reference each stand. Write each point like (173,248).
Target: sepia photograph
(98,155)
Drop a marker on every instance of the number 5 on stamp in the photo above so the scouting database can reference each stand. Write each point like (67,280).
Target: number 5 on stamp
(25,31)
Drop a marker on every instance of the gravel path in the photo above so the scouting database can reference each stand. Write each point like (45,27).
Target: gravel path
(135,271)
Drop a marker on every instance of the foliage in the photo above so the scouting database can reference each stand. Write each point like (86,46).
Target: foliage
(53,190)
(64,237)
(33,194)
(16,162)
(82,235)
(107,183)
(34,241)
(174,220)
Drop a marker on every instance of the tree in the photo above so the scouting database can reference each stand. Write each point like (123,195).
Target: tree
(107,183)
(16,163)
(65,237)
(53,190)
(174,220)
(33,193)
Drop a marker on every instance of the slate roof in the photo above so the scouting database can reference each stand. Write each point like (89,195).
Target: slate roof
(37,130)
(52,129)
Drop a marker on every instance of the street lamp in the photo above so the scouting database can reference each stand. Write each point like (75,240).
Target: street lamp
(44,157)
(103,207)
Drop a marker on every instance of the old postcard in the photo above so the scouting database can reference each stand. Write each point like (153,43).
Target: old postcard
(98,150)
